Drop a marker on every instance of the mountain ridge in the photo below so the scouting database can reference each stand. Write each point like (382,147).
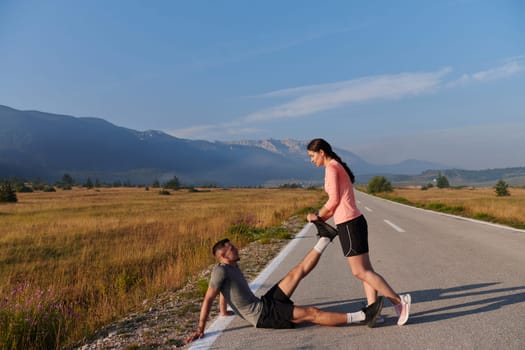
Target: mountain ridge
(44,145)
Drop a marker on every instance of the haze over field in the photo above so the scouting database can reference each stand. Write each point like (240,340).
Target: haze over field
(436,81)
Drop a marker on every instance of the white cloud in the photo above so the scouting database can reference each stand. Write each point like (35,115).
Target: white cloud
(316,98)
(310,99)
(507,70)
(511,68)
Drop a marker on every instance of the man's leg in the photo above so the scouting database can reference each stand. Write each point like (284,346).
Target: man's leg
(292,279)
(324,318)
(327,318)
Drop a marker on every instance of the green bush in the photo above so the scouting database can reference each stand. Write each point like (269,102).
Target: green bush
(245,230)
(442,182)
(20,187)
(502,189)
(202,286)
(379,184)
(484,217)
(48,188)
(445,208)
(126,281)
(7,193)
(399,200)
(173,184)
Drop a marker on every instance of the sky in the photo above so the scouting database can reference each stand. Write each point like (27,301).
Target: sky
(441,81)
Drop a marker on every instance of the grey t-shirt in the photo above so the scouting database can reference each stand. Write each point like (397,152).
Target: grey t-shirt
(230,281)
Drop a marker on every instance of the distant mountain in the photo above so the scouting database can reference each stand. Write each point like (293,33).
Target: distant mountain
(296,150)
(36,144)
(42,145)
(458,177)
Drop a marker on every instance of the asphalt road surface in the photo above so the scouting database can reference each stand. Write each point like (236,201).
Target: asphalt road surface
(466,278)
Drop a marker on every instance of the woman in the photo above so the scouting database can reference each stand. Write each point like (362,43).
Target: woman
(351,225)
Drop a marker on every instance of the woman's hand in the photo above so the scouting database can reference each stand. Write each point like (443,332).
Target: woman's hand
(312,217)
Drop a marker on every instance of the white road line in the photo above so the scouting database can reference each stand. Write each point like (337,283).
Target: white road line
(394,226)
(222,322)
(368,209)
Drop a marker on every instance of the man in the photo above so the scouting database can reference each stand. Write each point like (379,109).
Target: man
(275,309)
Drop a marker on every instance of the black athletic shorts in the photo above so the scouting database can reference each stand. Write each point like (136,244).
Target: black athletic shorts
(353,236)
(277,310)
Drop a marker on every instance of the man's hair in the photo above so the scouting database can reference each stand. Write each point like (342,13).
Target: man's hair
(219,245)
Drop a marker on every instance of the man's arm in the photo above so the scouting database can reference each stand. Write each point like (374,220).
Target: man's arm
(211,294)
(223,307)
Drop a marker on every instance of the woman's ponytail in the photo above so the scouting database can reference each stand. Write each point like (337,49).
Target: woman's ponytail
(349,172)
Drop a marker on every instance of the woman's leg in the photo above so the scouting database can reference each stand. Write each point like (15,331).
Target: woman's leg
(362,269)
(370,292)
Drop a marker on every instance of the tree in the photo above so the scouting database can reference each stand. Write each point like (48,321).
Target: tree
(502,189)
(173,184)
(117,183)
(156,184)
(89,183)
(7,193)
(66,183)
(67,180)
(442,181)
(379,184)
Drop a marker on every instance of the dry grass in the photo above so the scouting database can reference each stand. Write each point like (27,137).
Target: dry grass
(104,251)
(481,203)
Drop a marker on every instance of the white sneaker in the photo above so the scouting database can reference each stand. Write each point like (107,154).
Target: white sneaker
(403,309)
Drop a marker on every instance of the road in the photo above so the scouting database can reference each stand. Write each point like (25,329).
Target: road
(466,278)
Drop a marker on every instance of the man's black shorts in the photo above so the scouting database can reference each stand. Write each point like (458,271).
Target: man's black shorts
(277,310)
(353,236)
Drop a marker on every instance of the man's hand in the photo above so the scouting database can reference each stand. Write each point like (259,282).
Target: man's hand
(223,307)
(197,335)
(227,313)
(211,293)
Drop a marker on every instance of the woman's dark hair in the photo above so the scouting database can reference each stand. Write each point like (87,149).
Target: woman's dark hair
(319,144)
(219,245)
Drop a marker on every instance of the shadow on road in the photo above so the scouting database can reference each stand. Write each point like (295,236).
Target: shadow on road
(480,300)
(473,299)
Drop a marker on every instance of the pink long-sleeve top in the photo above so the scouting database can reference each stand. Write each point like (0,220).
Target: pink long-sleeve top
(341,199)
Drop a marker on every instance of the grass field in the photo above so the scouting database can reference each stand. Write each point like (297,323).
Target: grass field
(71,261)
(478,203)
